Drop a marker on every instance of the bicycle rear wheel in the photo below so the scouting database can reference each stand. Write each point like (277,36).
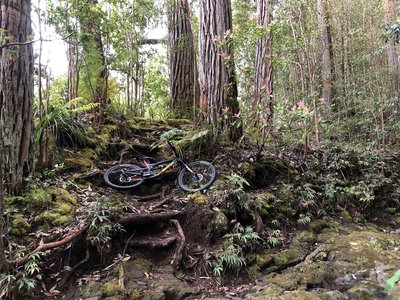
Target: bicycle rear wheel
(201,175)
(124,176)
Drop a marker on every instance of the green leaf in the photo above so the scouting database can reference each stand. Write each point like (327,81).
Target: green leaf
(392,281)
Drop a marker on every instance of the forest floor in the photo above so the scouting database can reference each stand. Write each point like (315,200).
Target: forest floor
(291,223)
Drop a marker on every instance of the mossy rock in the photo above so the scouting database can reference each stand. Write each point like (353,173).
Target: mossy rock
(81,160)
(318,225)
(20,227)
(219,224)
(304,239)
(298,295)
(367,291)
(314,274)
(111,288)
(198,198)
(37,198)
(59,211)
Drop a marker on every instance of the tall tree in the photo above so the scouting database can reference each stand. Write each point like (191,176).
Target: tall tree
(3,261)
(94,53)
(182,59)
(392,10)
(218,88)
(16,93)
(327,51)
(263,79)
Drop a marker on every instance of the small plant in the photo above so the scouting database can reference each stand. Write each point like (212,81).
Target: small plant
(101,229)
(228,258)
(244,236)
(231,257)
(304,218)
(23,279)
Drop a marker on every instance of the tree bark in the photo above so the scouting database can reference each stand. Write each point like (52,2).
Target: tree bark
(218,88)
(327,73)
(391,12)
(263,79)
(3,260)
(93,49)
(183,81)
(16,94)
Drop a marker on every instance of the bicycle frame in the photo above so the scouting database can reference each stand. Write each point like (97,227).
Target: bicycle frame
(147,171)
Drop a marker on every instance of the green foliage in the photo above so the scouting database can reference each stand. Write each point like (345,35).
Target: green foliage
(231,256)
(156,88)
(237,182)
(228,258)
(22,279)
(59,123)
(243,236)
(101,227)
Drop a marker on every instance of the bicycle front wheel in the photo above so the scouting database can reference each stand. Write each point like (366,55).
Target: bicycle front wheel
(200,176)
(124,176)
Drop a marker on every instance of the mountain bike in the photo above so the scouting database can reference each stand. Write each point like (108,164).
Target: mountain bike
(193,177)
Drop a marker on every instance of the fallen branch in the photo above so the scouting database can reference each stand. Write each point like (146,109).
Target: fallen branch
(182,241)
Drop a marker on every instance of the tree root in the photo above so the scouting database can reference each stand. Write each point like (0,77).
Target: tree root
(151,242)
(69,238)
(129,219)
(182,241)
(137,219)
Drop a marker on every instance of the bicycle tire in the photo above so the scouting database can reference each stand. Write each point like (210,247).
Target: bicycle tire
(114,177)
(203,176)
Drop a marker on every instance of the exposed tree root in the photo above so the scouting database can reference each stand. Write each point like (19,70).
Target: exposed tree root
(130,219)
(64,281)
(151,242)
(148,197)
(69,238)
(182,241)
(137,219)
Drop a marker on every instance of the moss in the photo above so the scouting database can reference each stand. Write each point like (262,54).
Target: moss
(61,195)
(300,295)
(345,215)
(198,198)
(59,211)
(391,210)
(219,224)
(318,225)
(396,219)
(304,238)
(286,281)
(20,227)
(81,160)
(38,198)
(111,288)
(313,275)
(365,291)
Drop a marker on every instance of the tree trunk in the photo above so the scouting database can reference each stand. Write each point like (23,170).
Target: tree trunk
(183,82)
(391,12)
(218,88)
(3,261)
(263,79)
(327,73)
(16,94)
(93,49)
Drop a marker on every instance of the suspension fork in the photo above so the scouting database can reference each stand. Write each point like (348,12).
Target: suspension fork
(184,165)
